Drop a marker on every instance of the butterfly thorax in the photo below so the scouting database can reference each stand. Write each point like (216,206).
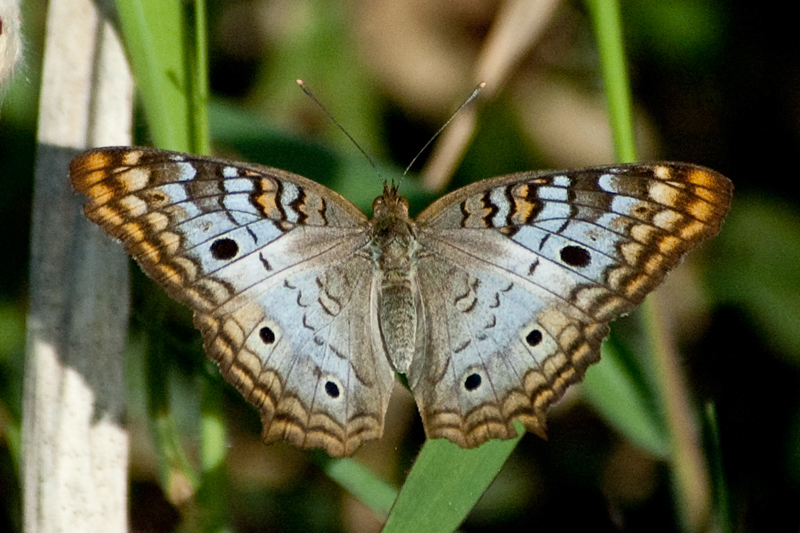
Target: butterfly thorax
(393,248)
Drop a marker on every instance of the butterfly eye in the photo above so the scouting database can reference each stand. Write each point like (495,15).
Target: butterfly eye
(332,389)
(575,256)
(267,335)
(533,338)
(472,382)
(223,249)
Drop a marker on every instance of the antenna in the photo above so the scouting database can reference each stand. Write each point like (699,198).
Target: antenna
(471,97)
(308,92)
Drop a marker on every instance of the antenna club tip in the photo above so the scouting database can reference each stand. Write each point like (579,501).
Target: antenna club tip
(481,85)
(299,82)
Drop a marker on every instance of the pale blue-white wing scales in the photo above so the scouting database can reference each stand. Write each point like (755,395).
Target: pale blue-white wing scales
(521,274)
(303,353)
(497,350)
(268,261)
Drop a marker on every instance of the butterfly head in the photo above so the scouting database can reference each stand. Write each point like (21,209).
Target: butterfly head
(390,221)
(390,204)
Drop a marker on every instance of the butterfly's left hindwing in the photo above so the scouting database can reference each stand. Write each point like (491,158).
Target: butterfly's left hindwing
(521,274)
(268,261)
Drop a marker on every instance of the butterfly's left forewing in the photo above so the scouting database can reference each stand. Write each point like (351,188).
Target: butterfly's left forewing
(270,264)
(521,274)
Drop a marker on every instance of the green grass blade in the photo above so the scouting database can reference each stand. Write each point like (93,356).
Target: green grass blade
(166,42)
(749,274)
(609,377)
(212,496)
(359,481)
(200,140)
(445,483)
(722,513)
(175,468)
(690,478)
(153,33)
(623,402)
(605,16)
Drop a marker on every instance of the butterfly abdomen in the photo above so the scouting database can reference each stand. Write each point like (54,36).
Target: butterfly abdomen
(393,250)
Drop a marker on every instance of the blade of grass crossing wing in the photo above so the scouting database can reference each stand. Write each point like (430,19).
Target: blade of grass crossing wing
(166,42)
(689,473)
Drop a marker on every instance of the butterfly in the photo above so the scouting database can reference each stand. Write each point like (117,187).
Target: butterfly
(492,302)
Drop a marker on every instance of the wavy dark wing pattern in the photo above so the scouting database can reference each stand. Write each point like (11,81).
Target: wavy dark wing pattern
(270,263)
(522,273)
(516,278)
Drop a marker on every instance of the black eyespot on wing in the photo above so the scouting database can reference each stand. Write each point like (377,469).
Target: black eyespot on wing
(267,335)
(576,256)
(641,211)
(224,249)
(332,389)
(533,338)
(472,382)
